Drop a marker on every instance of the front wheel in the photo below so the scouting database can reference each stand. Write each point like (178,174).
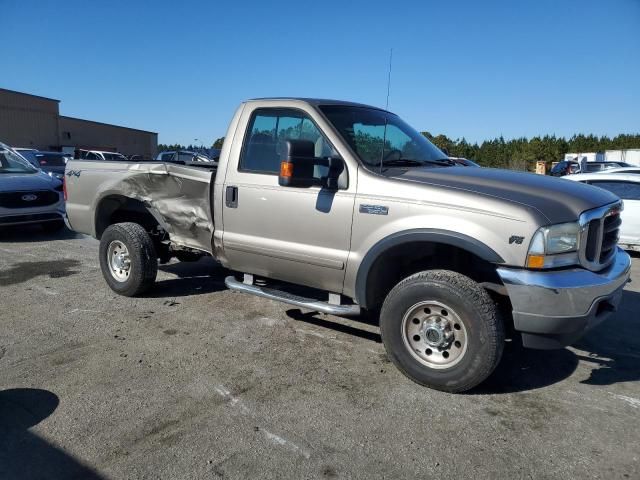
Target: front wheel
(442,330)
(128,259)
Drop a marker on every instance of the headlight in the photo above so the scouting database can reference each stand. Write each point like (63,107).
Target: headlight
(554,246)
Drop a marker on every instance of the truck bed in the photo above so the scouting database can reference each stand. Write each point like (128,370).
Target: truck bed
(178,196)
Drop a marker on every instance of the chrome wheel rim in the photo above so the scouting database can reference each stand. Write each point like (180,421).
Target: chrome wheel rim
(434,334)
(119,261)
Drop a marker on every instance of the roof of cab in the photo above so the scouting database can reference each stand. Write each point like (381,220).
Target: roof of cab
(318,101)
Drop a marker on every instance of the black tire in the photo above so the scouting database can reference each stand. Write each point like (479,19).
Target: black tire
(142,257)
(54,226)
(483,327)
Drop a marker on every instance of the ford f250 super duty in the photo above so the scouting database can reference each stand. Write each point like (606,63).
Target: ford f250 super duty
(349,200)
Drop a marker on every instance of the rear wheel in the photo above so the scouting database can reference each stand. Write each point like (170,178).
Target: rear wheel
(128,259)
(442,330)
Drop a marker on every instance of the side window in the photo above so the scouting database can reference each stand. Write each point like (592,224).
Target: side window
(265,141)
(185,157)
(624,190)
(92,156)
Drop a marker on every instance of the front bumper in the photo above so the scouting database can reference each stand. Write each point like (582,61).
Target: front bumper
(553,309)
(22,216)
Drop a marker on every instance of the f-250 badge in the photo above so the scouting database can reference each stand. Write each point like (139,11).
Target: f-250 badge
(516,239)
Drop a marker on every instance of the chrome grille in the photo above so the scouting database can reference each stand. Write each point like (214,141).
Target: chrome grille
(599,232)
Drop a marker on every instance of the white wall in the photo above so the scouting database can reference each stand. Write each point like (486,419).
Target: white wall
(631,156)
(590,156)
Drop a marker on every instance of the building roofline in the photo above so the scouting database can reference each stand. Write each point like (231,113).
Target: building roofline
(30,95)
(108,124)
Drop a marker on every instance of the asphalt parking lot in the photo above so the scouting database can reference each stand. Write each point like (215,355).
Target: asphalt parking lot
(194,381)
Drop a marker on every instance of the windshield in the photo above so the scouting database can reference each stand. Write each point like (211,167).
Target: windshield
(30,155)
(113,156)
(51,159)
(381,139)
(11,162)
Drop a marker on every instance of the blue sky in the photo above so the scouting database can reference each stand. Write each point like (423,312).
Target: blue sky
(476,69)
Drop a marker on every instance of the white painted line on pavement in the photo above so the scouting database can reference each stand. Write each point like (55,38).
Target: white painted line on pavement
(286,443)
(272,437)
(634,402)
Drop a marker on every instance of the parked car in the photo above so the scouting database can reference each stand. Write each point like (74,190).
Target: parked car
(624,170)
(592,167)
(569,167)
(183,156)
(464,162)
(565,167)
(52,163)
(28,195)
(99,155)
(627,187)
(29,154)
(350,201)
(214,154)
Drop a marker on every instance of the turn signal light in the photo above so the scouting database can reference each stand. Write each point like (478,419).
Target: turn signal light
(535,261)
(286,169)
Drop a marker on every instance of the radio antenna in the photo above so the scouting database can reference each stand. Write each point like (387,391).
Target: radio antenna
(386,120)
(386,107)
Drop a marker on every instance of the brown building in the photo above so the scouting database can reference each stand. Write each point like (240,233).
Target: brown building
(35,122)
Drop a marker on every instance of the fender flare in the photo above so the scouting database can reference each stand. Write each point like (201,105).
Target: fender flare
(432,235)
(121,199)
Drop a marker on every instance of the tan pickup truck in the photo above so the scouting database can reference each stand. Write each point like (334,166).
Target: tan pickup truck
(349,200)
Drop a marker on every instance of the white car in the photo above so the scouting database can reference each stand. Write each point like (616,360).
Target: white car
(100,155)
(627,187)
(627,170)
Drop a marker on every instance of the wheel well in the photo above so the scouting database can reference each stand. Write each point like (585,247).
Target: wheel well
(403,260)
(117,209)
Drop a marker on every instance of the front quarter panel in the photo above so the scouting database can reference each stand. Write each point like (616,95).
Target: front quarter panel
(503,228)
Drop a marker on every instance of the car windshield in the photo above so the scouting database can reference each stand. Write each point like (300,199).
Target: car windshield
(113,156)
(51,159)
(382,140)
(11,162)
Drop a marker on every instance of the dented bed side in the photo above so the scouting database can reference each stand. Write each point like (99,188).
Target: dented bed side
(177,196)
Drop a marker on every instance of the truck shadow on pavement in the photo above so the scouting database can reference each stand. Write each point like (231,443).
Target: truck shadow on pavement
(314,318)
(194,278)
(24,454)
(35,233)
(611,349)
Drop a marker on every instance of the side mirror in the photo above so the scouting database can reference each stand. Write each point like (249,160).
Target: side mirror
(296,170)
(299,167)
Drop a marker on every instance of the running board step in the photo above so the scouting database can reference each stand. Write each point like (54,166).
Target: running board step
(302,302)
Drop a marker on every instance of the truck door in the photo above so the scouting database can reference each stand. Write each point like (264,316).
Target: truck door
(300,235)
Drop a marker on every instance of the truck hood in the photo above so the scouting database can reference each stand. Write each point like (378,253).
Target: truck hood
(556,199)
(12,182)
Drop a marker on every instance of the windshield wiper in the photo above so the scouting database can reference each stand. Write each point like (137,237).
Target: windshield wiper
(408,162)
(403,162)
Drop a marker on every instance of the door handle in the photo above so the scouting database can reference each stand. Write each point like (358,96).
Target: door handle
(231,197)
